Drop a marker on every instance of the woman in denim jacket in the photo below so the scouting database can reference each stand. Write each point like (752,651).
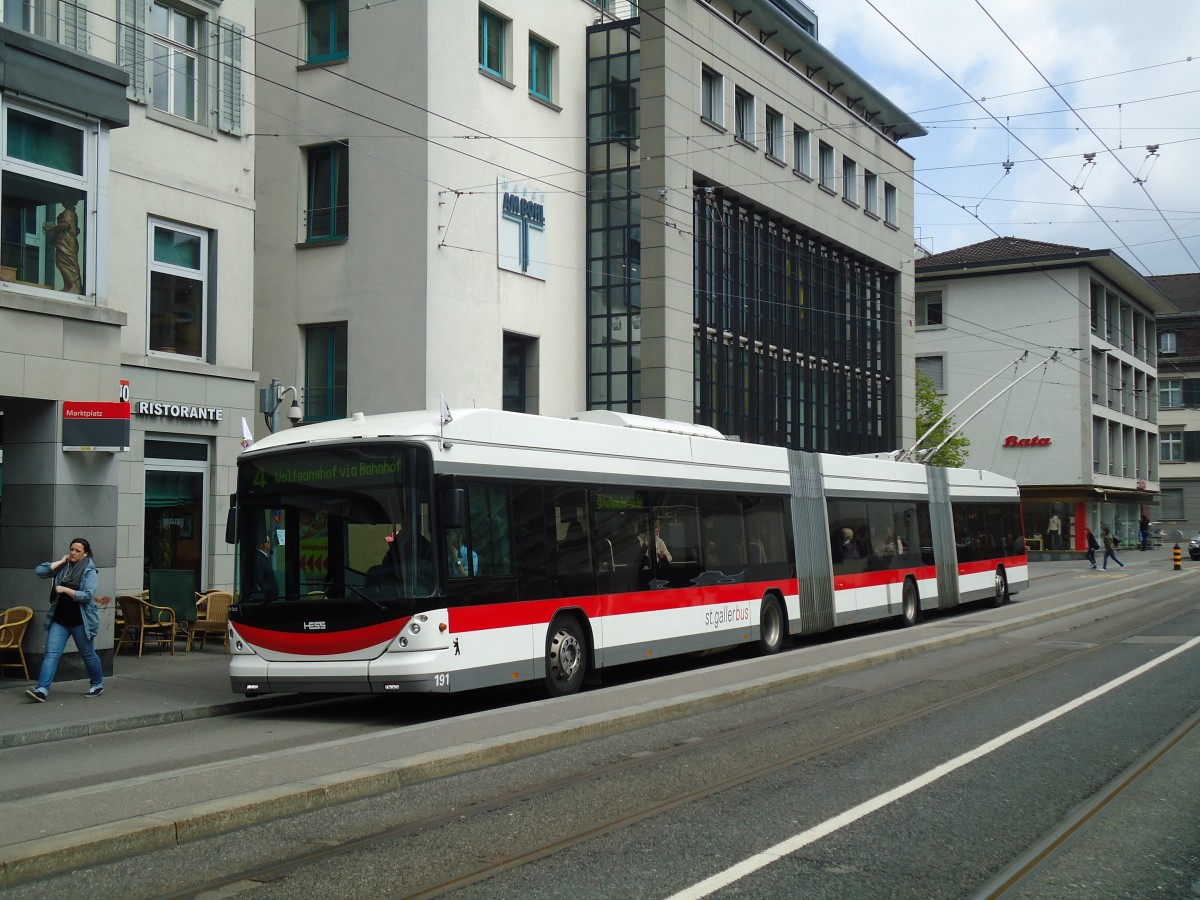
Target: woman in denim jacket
(72,614)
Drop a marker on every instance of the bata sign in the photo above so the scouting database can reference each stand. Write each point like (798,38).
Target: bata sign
(1013,441)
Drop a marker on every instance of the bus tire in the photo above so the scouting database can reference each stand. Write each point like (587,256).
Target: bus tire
(1000,594)
(566,656)
(771,629)
(910,604)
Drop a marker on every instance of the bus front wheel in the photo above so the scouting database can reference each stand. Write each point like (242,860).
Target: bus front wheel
(566,657)
(770,626)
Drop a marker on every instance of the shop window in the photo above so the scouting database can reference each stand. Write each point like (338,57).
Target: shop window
(176,476)
(47,194)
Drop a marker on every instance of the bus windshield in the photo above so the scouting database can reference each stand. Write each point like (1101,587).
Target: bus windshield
(334,524)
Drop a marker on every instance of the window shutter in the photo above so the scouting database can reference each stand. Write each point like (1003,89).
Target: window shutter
(1191,446)
(1191,392)
(932,367)
(74,16)
(229,76)
(132,41)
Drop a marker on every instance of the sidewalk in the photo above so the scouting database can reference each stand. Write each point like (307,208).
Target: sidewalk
(161,688)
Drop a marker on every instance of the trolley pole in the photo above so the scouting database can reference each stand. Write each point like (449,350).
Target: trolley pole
(1178,558)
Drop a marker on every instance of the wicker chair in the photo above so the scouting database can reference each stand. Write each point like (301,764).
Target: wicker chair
(215,620)
(12,633)
(140,620)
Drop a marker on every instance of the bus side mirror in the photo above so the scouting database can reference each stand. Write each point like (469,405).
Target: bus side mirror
(231,521)
(453,508)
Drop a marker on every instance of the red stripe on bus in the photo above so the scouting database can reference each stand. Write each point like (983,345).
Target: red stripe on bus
(539,612)
(989,565)
(881,577)
(321,643)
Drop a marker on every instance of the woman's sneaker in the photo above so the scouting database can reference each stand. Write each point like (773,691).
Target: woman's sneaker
(94,691)
(37,695)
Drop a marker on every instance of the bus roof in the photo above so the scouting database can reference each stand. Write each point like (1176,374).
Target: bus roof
(613,446)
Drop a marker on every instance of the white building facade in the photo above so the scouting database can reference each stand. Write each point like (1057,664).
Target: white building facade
(686,210)
(1078,432)
(126,272)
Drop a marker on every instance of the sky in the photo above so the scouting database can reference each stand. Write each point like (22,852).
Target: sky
(975,74)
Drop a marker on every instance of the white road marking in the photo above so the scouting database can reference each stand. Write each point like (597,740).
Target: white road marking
(828,827)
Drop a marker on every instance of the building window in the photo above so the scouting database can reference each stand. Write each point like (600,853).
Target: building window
(492,43)
(825,175)
(891,205)
(1170,393)
(186,66)
(328,30)
(871,192)
(743,112)
(929,309)
(47,190)
(933,368)
(175,77)
(520,364)
(1168,344)
(849,180)
(541,72)
(712,96)
(802,284)
(1171,446)
(325,372)
(774,134)
(178,289)
(802,151)
(328,214)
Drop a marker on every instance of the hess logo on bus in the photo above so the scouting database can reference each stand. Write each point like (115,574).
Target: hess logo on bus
(314,626)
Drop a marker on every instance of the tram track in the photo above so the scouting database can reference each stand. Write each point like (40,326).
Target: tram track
(1021,870)
(490,866)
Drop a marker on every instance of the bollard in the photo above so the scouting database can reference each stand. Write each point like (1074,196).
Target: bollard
(1178,558)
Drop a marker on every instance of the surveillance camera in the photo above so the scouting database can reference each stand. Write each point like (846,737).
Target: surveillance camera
(710,191)
(294,413)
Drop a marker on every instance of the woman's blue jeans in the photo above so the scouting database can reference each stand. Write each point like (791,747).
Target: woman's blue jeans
(56,642)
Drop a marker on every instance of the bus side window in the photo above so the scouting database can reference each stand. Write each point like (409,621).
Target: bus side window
(569,508)
(529,538)
(724,540)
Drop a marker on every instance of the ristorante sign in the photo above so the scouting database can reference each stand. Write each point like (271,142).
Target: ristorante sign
(178,411)
(1013,441)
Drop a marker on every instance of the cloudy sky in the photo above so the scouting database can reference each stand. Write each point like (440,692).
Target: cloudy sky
(965,69)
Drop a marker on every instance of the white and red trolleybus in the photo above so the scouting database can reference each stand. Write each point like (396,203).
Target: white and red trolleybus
(392,553)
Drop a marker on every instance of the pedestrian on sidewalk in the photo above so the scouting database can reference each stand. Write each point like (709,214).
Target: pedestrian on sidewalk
(73,613)
(1092,546)
(1110,547)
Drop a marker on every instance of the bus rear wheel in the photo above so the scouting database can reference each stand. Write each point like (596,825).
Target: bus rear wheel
(566,657)
(1000,595)
(770,626)
(910,606)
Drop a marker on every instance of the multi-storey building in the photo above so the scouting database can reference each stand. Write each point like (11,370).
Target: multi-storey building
(126,272)
(1179,405)
(1078,432)
(690,210)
